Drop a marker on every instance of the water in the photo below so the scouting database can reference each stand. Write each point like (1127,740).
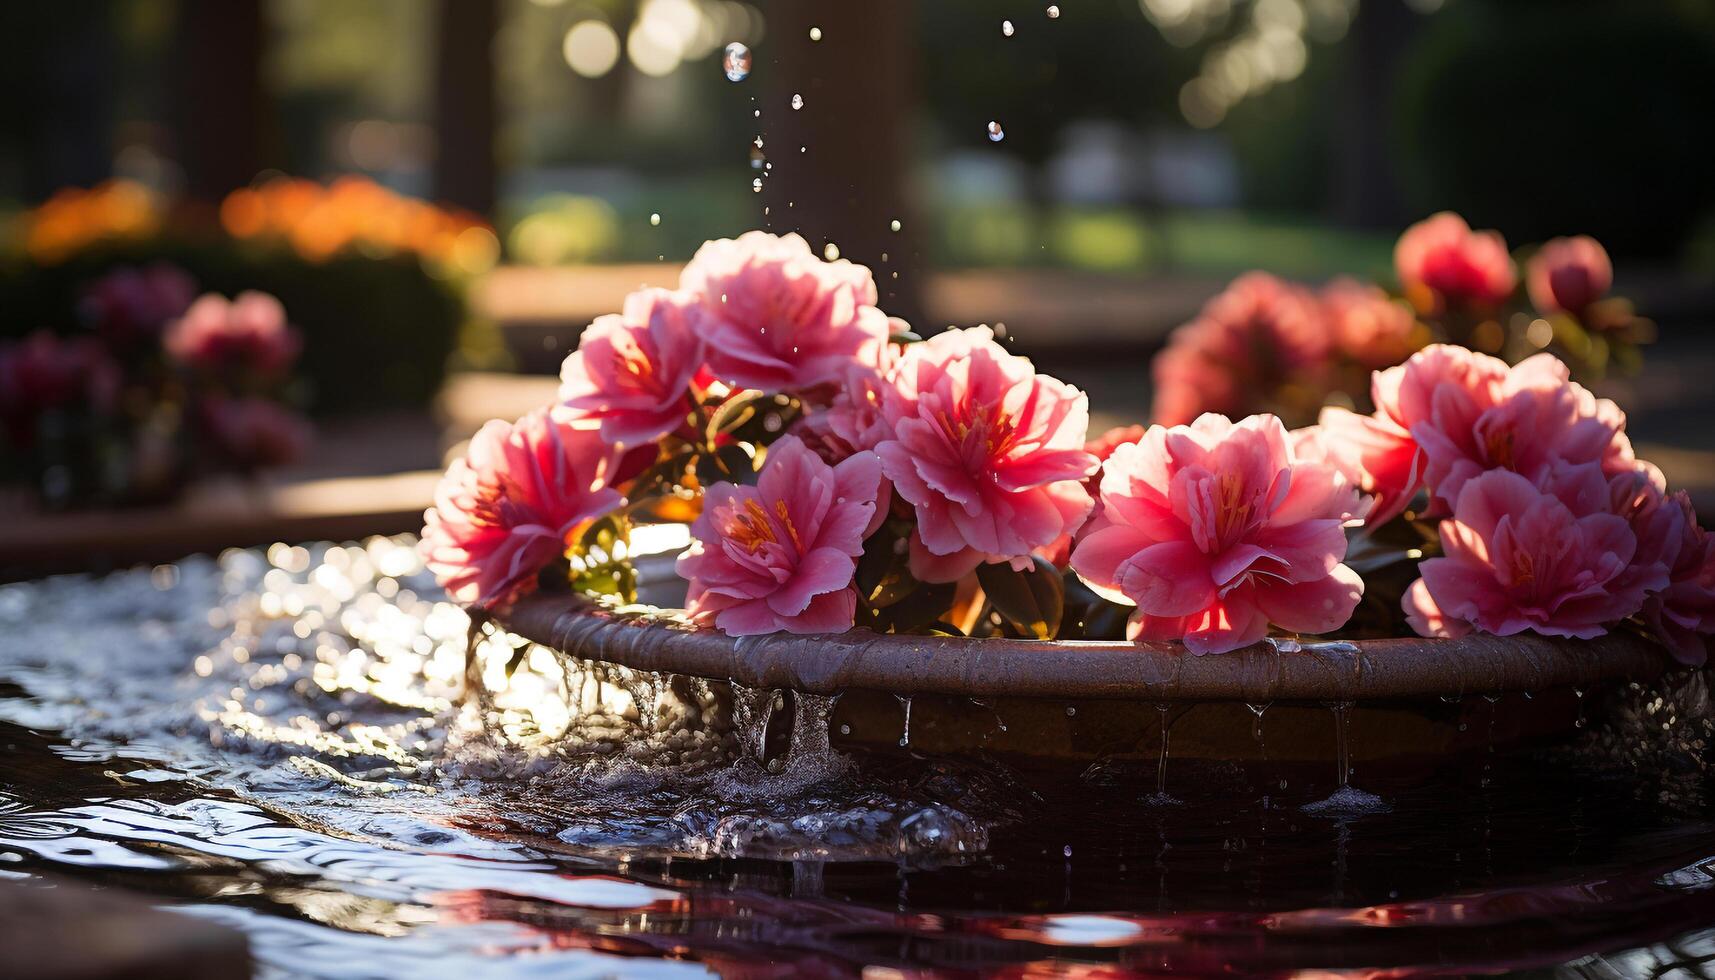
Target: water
(735,62)
(285,742)
(995,132)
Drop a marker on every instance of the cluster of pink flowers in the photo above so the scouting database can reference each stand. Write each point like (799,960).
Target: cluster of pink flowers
(1549,522)
(952,460)
(43,373)
(249,333)
(1265,344)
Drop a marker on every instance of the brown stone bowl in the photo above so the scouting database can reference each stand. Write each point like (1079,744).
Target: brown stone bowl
(1410,701)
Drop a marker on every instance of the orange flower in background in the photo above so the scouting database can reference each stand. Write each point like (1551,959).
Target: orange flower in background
(358,215)
(75,218)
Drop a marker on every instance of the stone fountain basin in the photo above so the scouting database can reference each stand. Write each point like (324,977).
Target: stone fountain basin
(1405,700)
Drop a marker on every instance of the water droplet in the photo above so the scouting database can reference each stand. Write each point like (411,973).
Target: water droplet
(1071,712)
(756,185)
(735,62)
(996,134)
(655,218)
(797,101)
(1053,12)
(1006,28)
(1067,850)
(894,224)
(831,252)
(815,33)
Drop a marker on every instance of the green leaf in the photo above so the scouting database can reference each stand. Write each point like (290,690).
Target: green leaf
(1032,601)
(599,560)
(883,572)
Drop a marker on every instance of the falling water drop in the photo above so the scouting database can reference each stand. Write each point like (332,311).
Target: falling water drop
(1342,748)
(735,62)
(1256,724)
(996,134)
(655,218)
(831,252)
(1006,28)
(1161,762)
(894,224)
(905,733)
(756,185)
(797,101)
(815,33)
(1053,11)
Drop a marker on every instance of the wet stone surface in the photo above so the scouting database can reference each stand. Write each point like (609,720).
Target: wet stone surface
(283,741)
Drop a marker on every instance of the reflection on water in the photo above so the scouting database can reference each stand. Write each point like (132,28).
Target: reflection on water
(282,741)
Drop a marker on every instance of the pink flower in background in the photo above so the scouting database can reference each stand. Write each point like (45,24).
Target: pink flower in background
(1682,614)
(247,333)
(632,371)
(989,453)
(1368,326)
(514,503)
(778,318)
(1568,274)
(781,555)
(1249,341)
(1518,558)
(254,432)
(1215,530)
(132,305)
(853,421)
(1441,260)
(43,373)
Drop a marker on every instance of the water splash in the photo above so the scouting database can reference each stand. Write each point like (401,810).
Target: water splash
(995,132)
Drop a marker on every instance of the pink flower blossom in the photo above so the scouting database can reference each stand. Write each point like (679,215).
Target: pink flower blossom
(132,305)
(1370,328)
(514,503)
(1439,385)
(632,371)
(778,318)
(1682,614)
(1448,414)
(1519,557)
(247,333)
(1568,274)
(254,432)
(853,421)
(1217,529)
(989,453)
(1442,263)
(43,373)
(1258,336)
(781,555)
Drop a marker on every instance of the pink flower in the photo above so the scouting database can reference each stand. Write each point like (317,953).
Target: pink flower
(633,370)
(1448,414)
(989,453)
(1442,263)
(1518,557)
(132,305)
(781,555)
(254,432)
(1682,615)
(1568,274)
(1216,529)
(854,420)
(248,333)
(1249,342)
(43,373)
(778,318)
(1368,327)
(1439,385)
(1537,416)
(514,503)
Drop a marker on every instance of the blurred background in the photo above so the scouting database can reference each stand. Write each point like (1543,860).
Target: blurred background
(443,192)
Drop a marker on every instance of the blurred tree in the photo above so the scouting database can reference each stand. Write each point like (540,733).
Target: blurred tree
(56,119)
(1544,117)
(221,114)
(464,105)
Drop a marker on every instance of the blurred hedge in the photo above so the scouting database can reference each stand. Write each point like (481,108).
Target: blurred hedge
(378,330)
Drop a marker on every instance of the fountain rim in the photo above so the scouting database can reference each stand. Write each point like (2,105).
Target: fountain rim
(1408,668)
